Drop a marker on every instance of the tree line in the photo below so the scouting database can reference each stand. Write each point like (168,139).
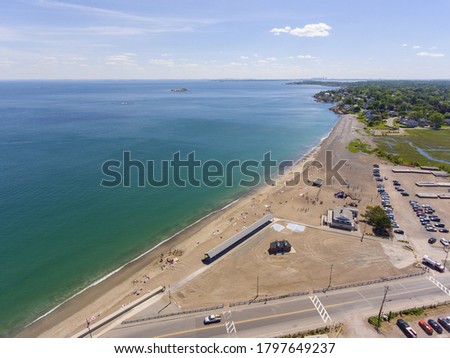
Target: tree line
(379,100)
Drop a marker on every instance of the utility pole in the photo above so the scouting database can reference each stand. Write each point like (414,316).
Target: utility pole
(329,282)
(89,327)
(446,256)
(331,273)
(386,289)
(364,232)
(257,286)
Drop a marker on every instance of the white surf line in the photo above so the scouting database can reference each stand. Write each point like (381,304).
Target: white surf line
(320,308)
(439,285)
(95,283)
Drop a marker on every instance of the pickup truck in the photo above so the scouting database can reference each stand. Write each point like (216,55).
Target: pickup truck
(406,328)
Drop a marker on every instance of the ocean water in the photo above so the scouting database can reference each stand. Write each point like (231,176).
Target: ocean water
(61,230)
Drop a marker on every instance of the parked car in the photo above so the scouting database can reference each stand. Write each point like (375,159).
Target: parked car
(435,326)
(439,225)
(444,322)
(404,193)
(406,328)
(444,242)
(426,327)
(435,218)
(443,230)
(431,240)
(430,228)
(398,231)
(213,318)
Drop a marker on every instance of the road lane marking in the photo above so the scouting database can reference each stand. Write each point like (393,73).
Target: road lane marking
(229,324)
(320,308)
(439,285)
(189,331)
(282,314)
(364,298)
(238,322)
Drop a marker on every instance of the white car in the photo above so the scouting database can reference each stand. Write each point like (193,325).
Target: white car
(214,318)
(444,242)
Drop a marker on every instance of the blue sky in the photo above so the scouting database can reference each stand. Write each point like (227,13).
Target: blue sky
(196,39)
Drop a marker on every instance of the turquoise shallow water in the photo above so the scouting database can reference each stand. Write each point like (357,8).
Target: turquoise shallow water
(60,230)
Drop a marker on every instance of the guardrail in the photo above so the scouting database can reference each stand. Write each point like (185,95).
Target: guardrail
(303,293)
(273,298)
(383,279)
(173,314)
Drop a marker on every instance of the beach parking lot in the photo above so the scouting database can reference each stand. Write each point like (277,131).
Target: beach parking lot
(414,232)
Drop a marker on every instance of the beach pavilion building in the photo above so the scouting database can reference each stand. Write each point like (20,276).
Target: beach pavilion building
(342,218)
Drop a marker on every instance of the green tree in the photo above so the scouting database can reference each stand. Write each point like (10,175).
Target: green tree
(436,120)
(377,217)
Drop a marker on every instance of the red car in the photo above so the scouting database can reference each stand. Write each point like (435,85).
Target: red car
(426,327)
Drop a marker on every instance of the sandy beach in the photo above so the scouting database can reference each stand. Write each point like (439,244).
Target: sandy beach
(181,256)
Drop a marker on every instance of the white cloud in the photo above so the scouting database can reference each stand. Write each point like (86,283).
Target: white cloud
(6,63)
(271,59)
(236,64)
(278,31)
(305,57)
(162,62)
(404,45)
(311,30)
(244,57)
(165,24)
(189,65)
(122,59)
(430,54)
(416,47)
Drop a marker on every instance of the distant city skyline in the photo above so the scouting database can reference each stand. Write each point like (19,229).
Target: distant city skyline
(246,39)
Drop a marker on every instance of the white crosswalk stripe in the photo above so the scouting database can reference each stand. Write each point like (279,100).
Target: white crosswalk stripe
(229,324)
(440,285)
(320,308)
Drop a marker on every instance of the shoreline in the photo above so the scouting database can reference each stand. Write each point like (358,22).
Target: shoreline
(73,304)
(104,278)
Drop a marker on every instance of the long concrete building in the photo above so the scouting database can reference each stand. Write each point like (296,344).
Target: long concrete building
(235,240)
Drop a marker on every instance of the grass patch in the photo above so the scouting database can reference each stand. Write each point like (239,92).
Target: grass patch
(417,311)
(373,320)
(315,332)
(357,145)
(435,143)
